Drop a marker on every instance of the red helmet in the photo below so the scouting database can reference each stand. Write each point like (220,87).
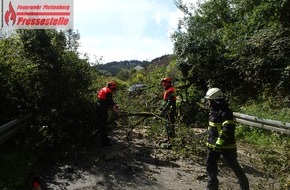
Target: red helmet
(166,81)
(112,85)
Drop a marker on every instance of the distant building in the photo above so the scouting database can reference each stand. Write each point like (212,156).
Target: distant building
(138,68)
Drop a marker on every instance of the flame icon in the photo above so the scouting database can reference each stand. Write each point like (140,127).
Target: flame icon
(10,15)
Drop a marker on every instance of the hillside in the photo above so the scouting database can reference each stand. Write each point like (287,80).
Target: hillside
(115,66)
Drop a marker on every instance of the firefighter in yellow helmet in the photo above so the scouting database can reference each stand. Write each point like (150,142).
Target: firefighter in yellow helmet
(169,107)
(221,140)
(105,101)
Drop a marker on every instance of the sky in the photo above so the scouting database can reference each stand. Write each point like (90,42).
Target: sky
(118,30)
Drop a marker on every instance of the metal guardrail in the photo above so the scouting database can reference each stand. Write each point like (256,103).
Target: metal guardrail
(267,124)
(11,128)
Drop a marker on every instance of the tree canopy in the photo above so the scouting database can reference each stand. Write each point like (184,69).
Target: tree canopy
(42,73)
(240,46)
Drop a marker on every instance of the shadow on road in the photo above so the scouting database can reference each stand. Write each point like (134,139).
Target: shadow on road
(127,164)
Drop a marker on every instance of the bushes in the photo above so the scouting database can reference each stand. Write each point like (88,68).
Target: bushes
(43,74)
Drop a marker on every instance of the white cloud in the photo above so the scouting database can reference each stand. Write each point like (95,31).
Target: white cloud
(123,30)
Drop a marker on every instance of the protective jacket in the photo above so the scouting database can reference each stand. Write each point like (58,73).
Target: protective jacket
(221,127)
(105,98)
(169,98)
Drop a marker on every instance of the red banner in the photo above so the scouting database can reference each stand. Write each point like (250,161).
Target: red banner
(37,14)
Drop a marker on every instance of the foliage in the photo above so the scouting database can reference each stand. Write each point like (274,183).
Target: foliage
(17,165)
(116,66)
(16,73)
(61,106)
(188,141)
(266,109)
(189,144)
(124,74)
(41,73)
(240,46)
(271,150)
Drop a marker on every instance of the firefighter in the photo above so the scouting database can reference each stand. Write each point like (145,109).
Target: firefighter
(105,101)
(221,140)
(168,109)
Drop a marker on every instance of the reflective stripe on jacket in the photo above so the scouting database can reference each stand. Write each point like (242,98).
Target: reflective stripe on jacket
(222,125)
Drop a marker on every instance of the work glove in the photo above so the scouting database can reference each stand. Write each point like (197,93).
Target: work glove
(218,145)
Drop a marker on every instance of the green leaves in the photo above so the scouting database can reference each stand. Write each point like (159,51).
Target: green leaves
(240,46)
(41,72)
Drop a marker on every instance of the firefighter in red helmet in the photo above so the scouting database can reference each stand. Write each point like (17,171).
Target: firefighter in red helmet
(169,107)
(105,101)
